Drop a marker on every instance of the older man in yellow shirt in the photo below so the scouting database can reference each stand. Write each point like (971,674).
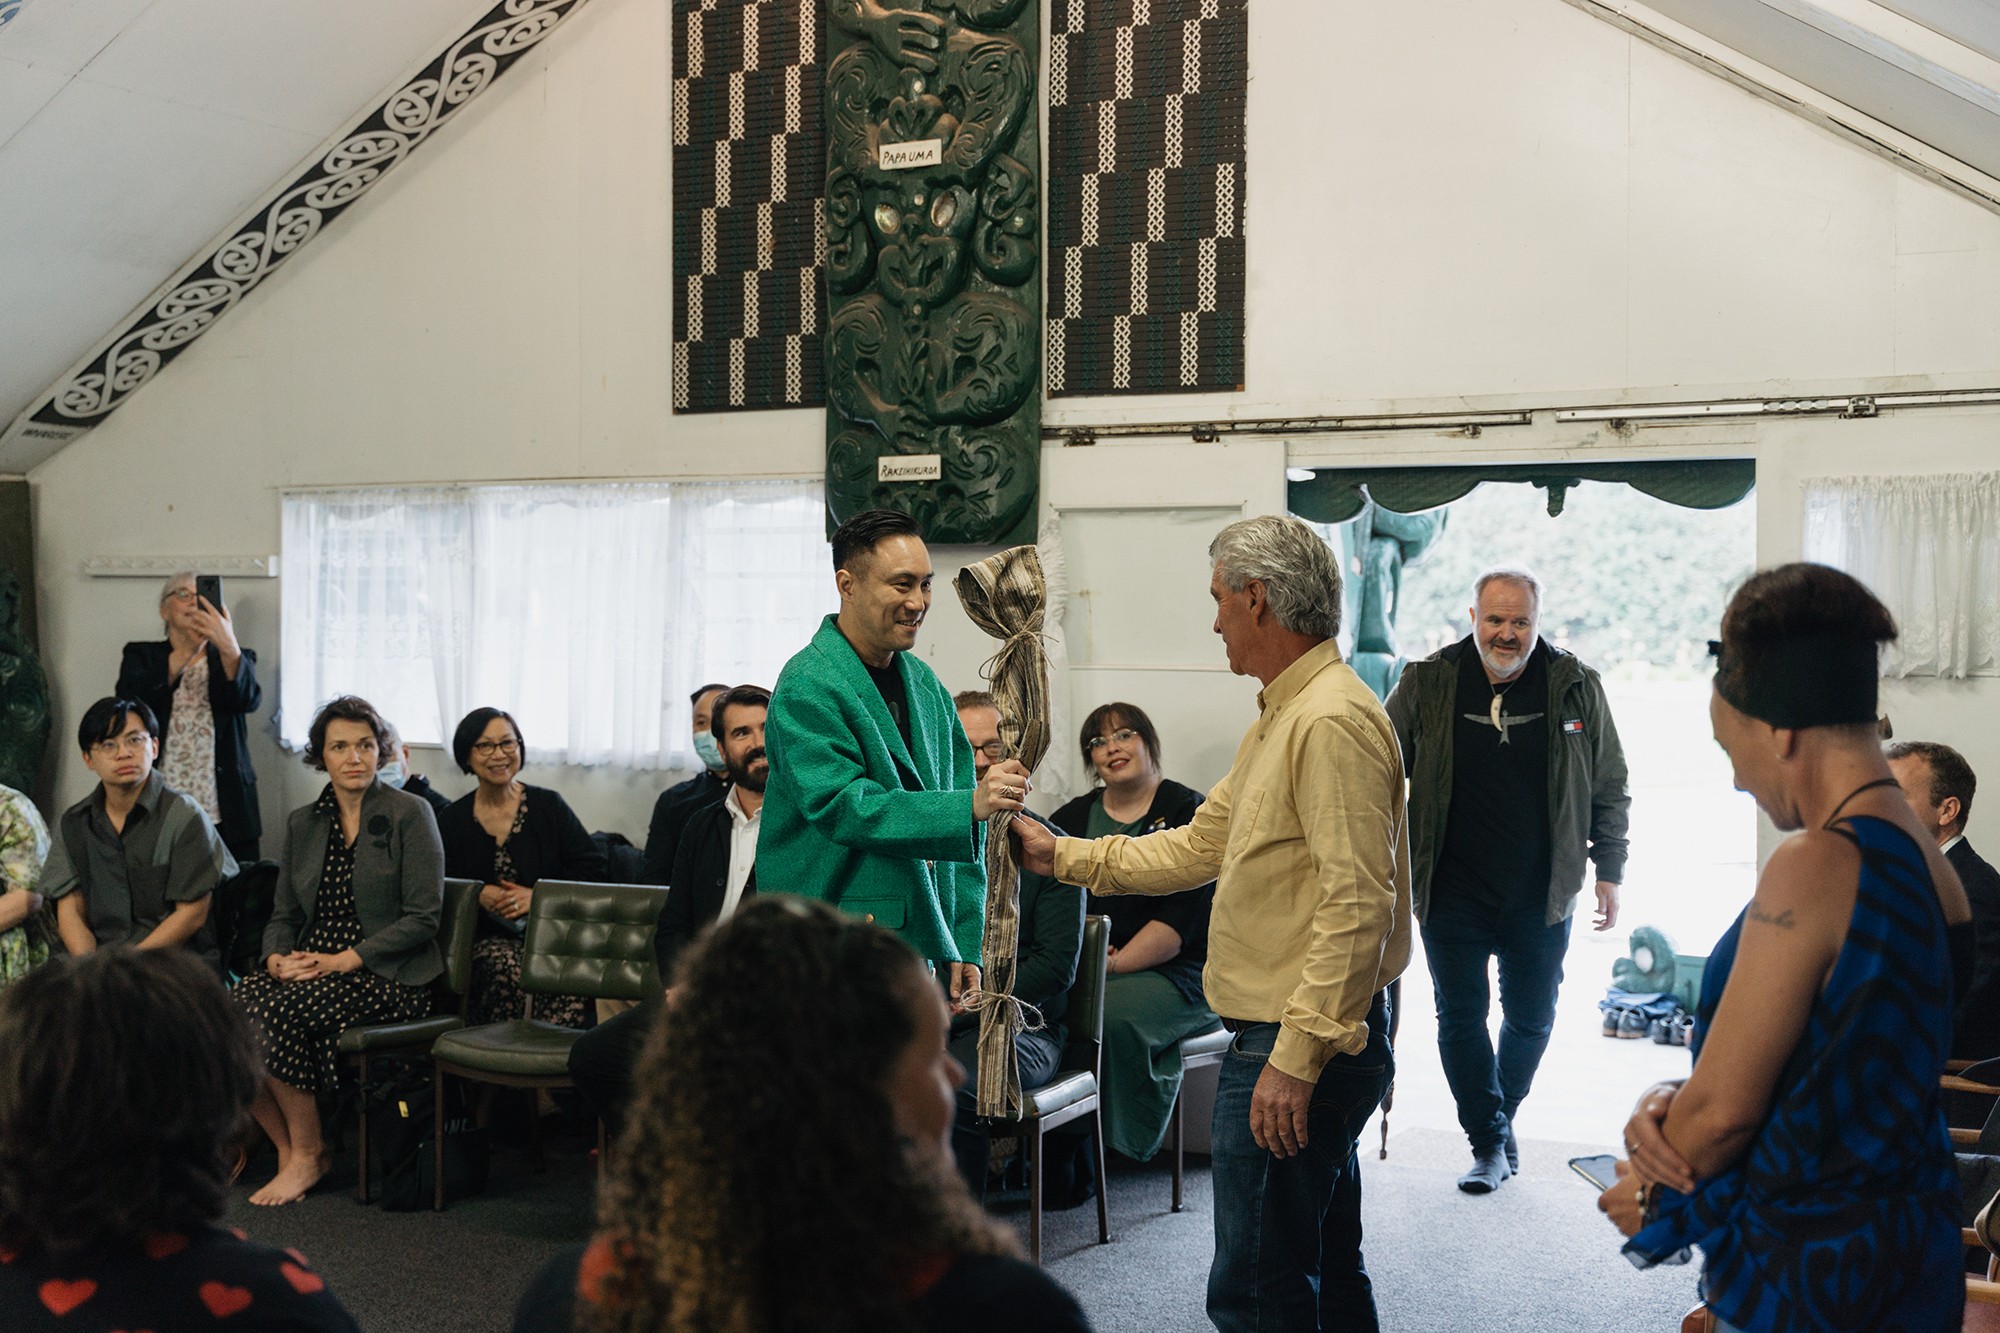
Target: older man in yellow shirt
(1308,843)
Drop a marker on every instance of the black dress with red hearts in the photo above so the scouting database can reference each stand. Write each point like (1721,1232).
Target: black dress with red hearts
(211,1279)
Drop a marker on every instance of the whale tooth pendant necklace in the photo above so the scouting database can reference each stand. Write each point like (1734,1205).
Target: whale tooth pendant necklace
(1499,693)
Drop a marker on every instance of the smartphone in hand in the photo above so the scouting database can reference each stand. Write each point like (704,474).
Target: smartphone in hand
(208,587)
(1601,1171)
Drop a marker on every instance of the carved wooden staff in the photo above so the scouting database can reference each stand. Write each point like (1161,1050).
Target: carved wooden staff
(1006,596)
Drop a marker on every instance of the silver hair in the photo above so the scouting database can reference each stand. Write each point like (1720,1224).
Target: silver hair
(392,739)
(1520,574)
(175,581)
(1300,575)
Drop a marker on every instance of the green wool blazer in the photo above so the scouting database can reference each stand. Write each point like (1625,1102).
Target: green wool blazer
(856,818)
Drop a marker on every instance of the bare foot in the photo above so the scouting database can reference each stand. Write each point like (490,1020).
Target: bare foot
(293,1180)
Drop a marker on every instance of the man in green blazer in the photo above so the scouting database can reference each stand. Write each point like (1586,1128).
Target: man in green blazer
(873,804)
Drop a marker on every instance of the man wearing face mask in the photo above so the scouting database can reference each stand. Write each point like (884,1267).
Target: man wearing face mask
(714,872)
(679,802)
(874,804)
(1516,775)
(396,772)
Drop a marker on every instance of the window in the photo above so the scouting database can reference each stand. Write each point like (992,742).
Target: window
(587,610)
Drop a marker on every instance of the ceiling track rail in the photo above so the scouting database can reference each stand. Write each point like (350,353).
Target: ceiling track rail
(1858,406)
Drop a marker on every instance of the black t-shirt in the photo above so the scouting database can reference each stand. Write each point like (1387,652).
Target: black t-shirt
(1496,837)
(889,680)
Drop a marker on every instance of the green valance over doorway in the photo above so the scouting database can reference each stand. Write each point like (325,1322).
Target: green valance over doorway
(1335,495)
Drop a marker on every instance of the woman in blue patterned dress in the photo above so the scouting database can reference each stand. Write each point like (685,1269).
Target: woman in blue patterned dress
(1806,1155)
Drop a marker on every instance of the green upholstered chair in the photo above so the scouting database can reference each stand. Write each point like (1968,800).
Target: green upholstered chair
(594,940)
(1198,1051)
(359,1044)
(1073,1092)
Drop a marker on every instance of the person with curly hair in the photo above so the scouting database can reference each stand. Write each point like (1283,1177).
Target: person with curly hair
(353,934)
(126,1076)
(786,1167)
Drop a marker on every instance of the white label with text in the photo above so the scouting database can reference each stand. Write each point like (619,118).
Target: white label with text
(917,153)
(910,467)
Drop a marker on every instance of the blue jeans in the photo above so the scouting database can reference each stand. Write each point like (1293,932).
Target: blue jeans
(1489,1090)
(1288,1232)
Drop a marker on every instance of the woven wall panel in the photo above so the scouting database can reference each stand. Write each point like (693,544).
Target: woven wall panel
(1146,243)
(749,232)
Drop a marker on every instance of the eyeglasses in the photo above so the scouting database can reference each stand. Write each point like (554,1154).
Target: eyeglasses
(994,750)
(1122,736)
(483,748)
(180,595)
(134,743)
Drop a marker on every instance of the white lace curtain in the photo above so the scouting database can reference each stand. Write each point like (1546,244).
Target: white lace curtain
(588,610)
(1929,547)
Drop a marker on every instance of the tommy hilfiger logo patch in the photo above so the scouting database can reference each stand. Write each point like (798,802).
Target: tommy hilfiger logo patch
(1572,726)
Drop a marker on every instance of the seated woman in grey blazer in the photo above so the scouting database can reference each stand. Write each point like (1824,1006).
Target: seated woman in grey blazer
(353,934)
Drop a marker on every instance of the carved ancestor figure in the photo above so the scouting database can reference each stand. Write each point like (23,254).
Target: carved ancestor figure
(934,339)
(1385,542)
(24,695)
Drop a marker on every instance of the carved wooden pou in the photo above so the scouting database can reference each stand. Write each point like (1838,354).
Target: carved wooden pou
(934,290)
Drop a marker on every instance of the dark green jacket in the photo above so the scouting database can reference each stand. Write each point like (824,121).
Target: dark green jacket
(856,818)
(1589,806)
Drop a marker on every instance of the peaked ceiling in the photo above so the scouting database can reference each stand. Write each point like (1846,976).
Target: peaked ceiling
(133,132)
(1930,68)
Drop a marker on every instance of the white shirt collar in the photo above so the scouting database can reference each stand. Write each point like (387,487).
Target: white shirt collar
(1956,839)
(735,808)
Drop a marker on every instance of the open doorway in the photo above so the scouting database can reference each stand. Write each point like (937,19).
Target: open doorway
(1635,586)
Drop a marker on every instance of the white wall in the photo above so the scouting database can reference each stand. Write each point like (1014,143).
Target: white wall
(1450,203)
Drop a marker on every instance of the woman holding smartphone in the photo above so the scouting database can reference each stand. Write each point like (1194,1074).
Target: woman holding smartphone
(202,686)
(1806,1156)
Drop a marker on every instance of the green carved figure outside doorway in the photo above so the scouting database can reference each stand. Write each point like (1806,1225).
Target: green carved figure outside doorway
(1381,542)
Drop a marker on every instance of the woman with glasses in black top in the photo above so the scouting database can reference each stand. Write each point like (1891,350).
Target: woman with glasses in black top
(1153,997)
(507,835)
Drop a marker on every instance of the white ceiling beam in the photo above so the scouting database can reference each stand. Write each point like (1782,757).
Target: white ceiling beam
(1781,89)
(1877,31)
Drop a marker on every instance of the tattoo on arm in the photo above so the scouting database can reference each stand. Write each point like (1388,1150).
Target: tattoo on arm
(1783,920)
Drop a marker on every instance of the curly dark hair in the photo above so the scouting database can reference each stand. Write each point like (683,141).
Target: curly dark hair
(123,1075)
(760,1185)
(347,708)
(472,726)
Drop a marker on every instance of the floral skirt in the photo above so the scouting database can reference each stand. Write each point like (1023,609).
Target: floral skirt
(497,994)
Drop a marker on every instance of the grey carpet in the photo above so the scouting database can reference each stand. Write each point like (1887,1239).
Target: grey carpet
(1534,1255)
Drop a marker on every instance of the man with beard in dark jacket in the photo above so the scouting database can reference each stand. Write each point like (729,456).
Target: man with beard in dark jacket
(715,869)
(1516,776)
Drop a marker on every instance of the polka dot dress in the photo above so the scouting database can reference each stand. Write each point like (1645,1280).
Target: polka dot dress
(301,1021)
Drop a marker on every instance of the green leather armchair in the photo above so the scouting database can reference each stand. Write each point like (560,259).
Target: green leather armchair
(594,940)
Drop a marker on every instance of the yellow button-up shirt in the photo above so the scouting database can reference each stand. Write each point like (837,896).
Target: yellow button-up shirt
(1309,846)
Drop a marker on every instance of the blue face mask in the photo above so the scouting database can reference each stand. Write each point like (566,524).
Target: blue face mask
(710,752)
(391,774)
